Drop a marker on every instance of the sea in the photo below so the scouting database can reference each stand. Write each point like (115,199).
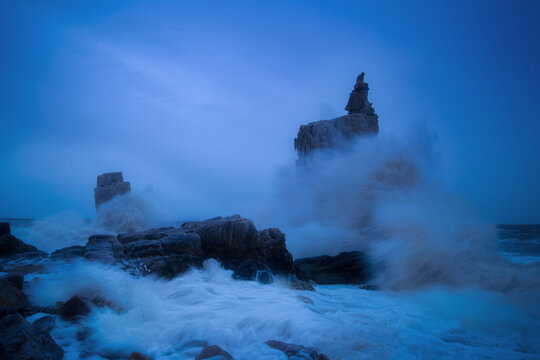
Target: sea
(174,319)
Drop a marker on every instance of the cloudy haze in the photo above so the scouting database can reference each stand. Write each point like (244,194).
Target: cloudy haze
(198,103)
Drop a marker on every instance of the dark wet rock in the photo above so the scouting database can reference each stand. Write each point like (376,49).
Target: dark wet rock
(45,323)
(104,248)
(299,284)
(305,299)
(52,309)
(15,280)
(74,309)
(254,270)
(169,251)
(233,240)
(21,340)
(139,356)
(334,133)
(214,352)
(69,253)
(18,264)
(271,249)
(345,268)
(358,99)
(110,185)
(83,333)
(5,228)
(11,294)
(10,245)
(296,352)
(167,266)
(227,239)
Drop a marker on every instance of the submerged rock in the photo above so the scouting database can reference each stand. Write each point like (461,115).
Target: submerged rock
(345,268)
(296,352)
(21,340)
(254,270)
(214,352)
(331,134)
(110,185)
(74,309)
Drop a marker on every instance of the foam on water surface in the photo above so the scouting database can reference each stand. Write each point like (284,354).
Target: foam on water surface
(172,319)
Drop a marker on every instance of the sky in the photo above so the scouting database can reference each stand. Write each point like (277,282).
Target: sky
(198,102)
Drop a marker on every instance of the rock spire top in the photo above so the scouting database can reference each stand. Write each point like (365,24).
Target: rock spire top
(358,99)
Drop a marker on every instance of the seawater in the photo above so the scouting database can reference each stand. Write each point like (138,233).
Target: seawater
(173,319)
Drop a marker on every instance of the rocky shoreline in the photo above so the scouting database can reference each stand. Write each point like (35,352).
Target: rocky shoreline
(234,241)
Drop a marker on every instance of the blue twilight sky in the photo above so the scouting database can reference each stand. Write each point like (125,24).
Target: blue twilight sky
(198,102)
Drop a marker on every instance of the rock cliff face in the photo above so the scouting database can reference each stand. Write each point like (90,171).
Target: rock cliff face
(167,252)
(110,185)
(328,134)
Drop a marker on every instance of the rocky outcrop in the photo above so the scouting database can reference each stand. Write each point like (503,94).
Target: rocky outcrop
(345,268)
(358,99)
(233,240)
(169,251)
(296,352)
(11,294)
(45,323)
(5,229)
(213,352)
(110,185)
(331,134)
(21,340)
(74,309)
(10,245)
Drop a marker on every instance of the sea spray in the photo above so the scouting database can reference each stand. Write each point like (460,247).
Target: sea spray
(386,197)
(172,319)
(125,213)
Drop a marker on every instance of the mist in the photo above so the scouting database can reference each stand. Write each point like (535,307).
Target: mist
(200,108)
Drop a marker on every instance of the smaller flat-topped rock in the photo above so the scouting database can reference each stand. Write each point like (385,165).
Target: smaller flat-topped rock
(110,185)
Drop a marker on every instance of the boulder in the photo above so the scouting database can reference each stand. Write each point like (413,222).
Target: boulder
(254,270)
(110,185)
(345,268)
(233,240)
(5,229)
(227,239)
(334,133)
(10,245)
(15,280)
(296,352)
(169,251)
(213,352)
(45,323)
(104,248)
(74,309)
(21,340)
(11,294)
